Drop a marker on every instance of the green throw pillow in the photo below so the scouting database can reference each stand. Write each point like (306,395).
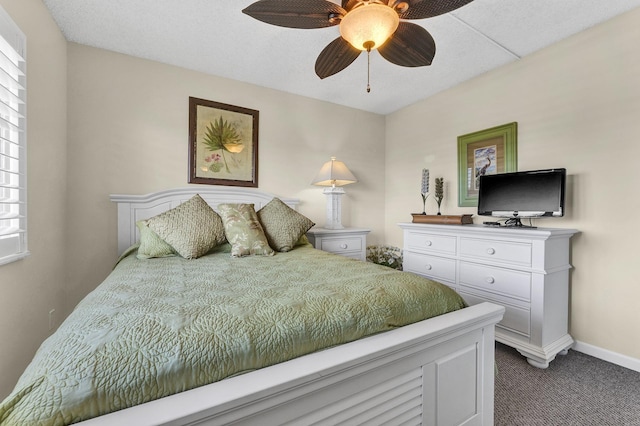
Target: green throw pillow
(192,228)
(303,241)
(282,225)
(151,245)
(243,230)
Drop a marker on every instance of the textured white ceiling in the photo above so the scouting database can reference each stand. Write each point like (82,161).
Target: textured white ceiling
(215,37)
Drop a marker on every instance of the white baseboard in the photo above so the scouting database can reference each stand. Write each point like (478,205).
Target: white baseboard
(607,355)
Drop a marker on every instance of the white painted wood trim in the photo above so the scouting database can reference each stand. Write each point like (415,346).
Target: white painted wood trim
(607,355)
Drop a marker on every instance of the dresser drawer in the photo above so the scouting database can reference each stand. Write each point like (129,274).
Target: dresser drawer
(515,318)
(444,244)
(496,280)
(517,253)
(434,267)
(341,245)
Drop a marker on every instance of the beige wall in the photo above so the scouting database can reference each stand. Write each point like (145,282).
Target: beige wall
(577,105)
(128,133)
(33,286)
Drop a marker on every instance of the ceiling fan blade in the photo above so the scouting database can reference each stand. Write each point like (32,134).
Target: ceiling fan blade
(420,9)
(410,46)
(338,55)
(348,4)
(296,13)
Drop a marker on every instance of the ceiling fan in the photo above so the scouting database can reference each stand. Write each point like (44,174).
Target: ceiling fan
(364,25)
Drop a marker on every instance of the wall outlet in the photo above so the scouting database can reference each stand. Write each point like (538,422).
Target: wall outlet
(52,319)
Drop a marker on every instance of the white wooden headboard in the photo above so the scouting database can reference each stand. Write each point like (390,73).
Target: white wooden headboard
(132,208)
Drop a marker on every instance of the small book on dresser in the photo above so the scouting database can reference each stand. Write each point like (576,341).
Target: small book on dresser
(442,219)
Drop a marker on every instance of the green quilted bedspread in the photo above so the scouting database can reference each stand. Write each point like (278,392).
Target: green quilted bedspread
(158,327)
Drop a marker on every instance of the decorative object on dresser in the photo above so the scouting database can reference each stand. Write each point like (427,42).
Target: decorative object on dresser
(464,219)
(488,151)
(524,270)
(334,174)
(223,144)
(439,192)
(348,242)
(424,189)
(439,218)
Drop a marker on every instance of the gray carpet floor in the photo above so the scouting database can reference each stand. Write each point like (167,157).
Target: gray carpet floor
(576,389)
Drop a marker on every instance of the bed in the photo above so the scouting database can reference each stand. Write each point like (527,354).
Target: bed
(391,368)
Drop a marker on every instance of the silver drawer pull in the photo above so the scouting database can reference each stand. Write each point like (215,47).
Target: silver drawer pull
(343,246)
(490,280)
(428,267)
(491,251)
(428,243)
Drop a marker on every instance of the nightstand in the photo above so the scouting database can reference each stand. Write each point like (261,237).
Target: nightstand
(349,242)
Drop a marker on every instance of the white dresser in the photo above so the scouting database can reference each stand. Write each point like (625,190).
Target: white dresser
(349,242)
(525,270)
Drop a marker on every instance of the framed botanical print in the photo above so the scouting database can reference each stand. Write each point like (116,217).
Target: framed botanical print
(485,152)
(223,144)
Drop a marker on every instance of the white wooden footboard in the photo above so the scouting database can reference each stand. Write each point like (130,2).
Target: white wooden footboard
(436,372)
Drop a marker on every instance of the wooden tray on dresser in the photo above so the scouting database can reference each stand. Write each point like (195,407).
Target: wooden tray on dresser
(442,219)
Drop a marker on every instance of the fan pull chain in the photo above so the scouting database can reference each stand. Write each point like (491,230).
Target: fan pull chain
(368,45)
(368,69)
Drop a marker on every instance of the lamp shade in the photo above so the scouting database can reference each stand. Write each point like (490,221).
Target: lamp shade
(369,23)
(334,173)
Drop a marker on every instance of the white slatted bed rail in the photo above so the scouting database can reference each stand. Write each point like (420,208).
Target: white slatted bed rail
(438,371)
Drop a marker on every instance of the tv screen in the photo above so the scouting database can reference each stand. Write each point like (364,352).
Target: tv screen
(535,193)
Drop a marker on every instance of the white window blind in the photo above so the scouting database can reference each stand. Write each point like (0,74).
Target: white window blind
(13,178)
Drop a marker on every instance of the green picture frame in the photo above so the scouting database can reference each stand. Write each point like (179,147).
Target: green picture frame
(489,151)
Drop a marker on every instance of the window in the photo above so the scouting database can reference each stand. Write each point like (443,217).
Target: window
(13,177)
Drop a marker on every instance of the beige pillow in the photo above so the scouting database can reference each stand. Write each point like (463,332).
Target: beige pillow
(151,245)
(243,230)
(192,228)
(282,225)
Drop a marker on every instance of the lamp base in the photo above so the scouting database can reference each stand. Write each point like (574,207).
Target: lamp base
(334,207)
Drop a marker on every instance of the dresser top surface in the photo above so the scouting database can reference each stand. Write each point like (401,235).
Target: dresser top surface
(488,230)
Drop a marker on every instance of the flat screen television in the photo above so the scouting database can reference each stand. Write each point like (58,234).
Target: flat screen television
(529,194)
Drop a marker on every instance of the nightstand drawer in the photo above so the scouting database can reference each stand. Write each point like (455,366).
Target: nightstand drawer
(431,242)
(496,280)
(434,267)
(500,251)
(348,242)
(341,245)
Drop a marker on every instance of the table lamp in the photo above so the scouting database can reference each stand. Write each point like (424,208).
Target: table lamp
(333,175)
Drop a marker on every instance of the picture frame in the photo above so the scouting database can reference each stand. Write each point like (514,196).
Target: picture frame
(223,144)
(488,151)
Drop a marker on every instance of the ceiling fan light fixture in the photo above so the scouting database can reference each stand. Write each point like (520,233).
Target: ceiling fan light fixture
(369,23)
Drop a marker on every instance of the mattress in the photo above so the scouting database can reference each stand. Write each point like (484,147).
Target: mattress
(156,327)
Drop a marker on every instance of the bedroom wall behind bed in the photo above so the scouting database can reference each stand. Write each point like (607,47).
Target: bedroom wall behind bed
(128,133)
(577,105)
(31,287)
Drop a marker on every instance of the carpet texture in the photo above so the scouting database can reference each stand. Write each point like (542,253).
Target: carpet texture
(576,389)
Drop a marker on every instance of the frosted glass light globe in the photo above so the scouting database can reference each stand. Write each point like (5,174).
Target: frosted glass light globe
(371,22)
